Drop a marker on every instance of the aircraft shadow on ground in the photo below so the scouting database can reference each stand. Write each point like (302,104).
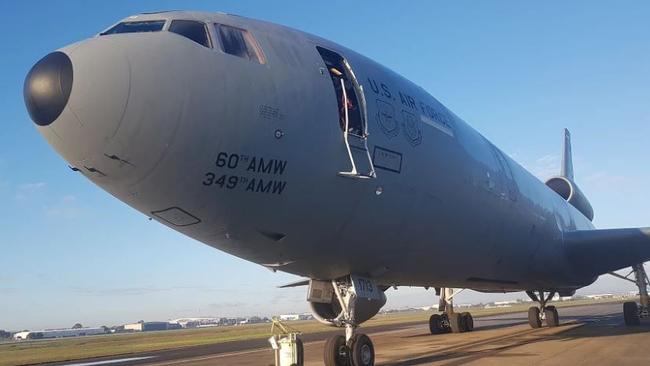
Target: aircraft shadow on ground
(495,347)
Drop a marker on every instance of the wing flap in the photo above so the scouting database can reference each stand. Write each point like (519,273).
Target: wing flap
(602,251)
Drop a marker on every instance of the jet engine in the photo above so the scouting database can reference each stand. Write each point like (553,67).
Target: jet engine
(568,190)
(326,306)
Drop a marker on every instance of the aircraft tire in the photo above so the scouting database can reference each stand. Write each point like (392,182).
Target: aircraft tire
(533,317)
(456,323)
(631,313)
(435,324)
(552,316)
(362,352)
(336,351)
(469,321)
(300,352)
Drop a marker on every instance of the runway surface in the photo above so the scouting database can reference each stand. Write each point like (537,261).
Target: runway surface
(589,335)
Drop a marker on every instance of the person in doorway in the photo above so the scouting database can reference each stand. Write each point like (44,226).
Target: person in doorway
(346,102)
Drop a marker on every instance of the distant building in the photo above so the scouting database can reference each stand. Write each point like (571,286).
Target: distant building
(251,320)
(215,322)
(196,322)
(58,333)
(505,303)
(149,326)
(228,321)
(557,297)
(290,317)
(499,304)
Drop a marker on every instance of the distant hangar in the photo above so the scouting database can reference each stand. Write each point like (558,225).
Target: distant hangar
(59,333)
(150,326)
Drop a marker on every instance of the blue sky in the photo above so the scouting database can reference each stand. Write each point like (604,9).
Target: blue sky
(519,72)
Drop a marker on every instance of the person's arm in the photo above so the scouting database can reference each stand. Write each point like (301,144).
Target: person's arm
(335,72)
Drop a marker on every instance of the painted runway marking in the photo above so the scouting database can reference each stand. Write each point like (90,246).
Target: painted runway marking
(96,363)
(221,355)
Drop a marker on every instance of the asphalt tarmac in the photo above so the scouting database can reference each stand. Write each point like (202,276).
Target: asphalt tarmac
(588,335)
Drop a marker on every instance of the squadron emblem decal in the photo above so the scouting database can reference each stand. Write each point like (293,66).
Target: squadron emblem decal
(412,130)
(386,118)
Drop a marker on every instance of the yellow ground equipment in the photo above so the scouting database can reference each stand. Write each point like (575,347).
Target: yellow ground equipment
(288,348)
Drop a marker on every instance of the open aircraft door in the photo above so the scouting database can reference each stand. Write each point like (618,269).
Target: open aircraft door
(352,114)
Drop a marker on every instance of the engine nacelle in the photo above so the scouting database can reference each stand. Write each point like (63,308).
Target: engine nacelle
(568,190)
(327,310)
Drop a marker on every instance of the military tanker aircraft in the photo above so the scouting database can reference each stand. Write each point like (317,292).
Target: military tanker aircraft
(296,153)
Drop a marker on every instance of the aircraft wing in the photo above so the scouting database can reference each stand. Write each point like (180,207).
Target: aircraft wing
(295,284)
(602,251)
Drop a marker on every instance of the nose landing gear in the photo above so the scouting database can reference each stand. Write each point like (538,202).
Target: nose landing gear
(336,351)
(353,349)
(358,351)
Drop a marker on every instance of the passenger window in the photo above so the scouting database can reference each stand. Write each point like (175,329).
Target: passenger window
(136,27)
(196,31)
(239,42)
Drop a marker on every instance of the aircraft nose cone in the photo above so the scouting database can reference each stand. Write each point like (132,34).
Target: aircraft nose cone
(47,88)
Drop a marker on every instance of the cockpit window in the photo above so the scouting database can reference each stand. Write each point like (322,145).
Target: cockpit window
(196,31)
(239,42)
(136,27)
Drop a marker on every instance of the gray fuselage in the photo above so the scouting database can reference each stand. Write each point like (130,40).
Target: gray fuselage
(244,157)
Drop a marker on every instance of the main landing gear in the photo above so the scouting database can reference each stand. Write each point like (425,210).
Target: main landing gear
(544,313)
(353,349)
(633,312)
(449,321)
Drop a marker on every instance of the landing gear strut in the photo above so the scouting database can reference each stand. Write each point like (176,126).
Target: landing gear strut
(543,313)
(351,349)
(633,312)
(450,321)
